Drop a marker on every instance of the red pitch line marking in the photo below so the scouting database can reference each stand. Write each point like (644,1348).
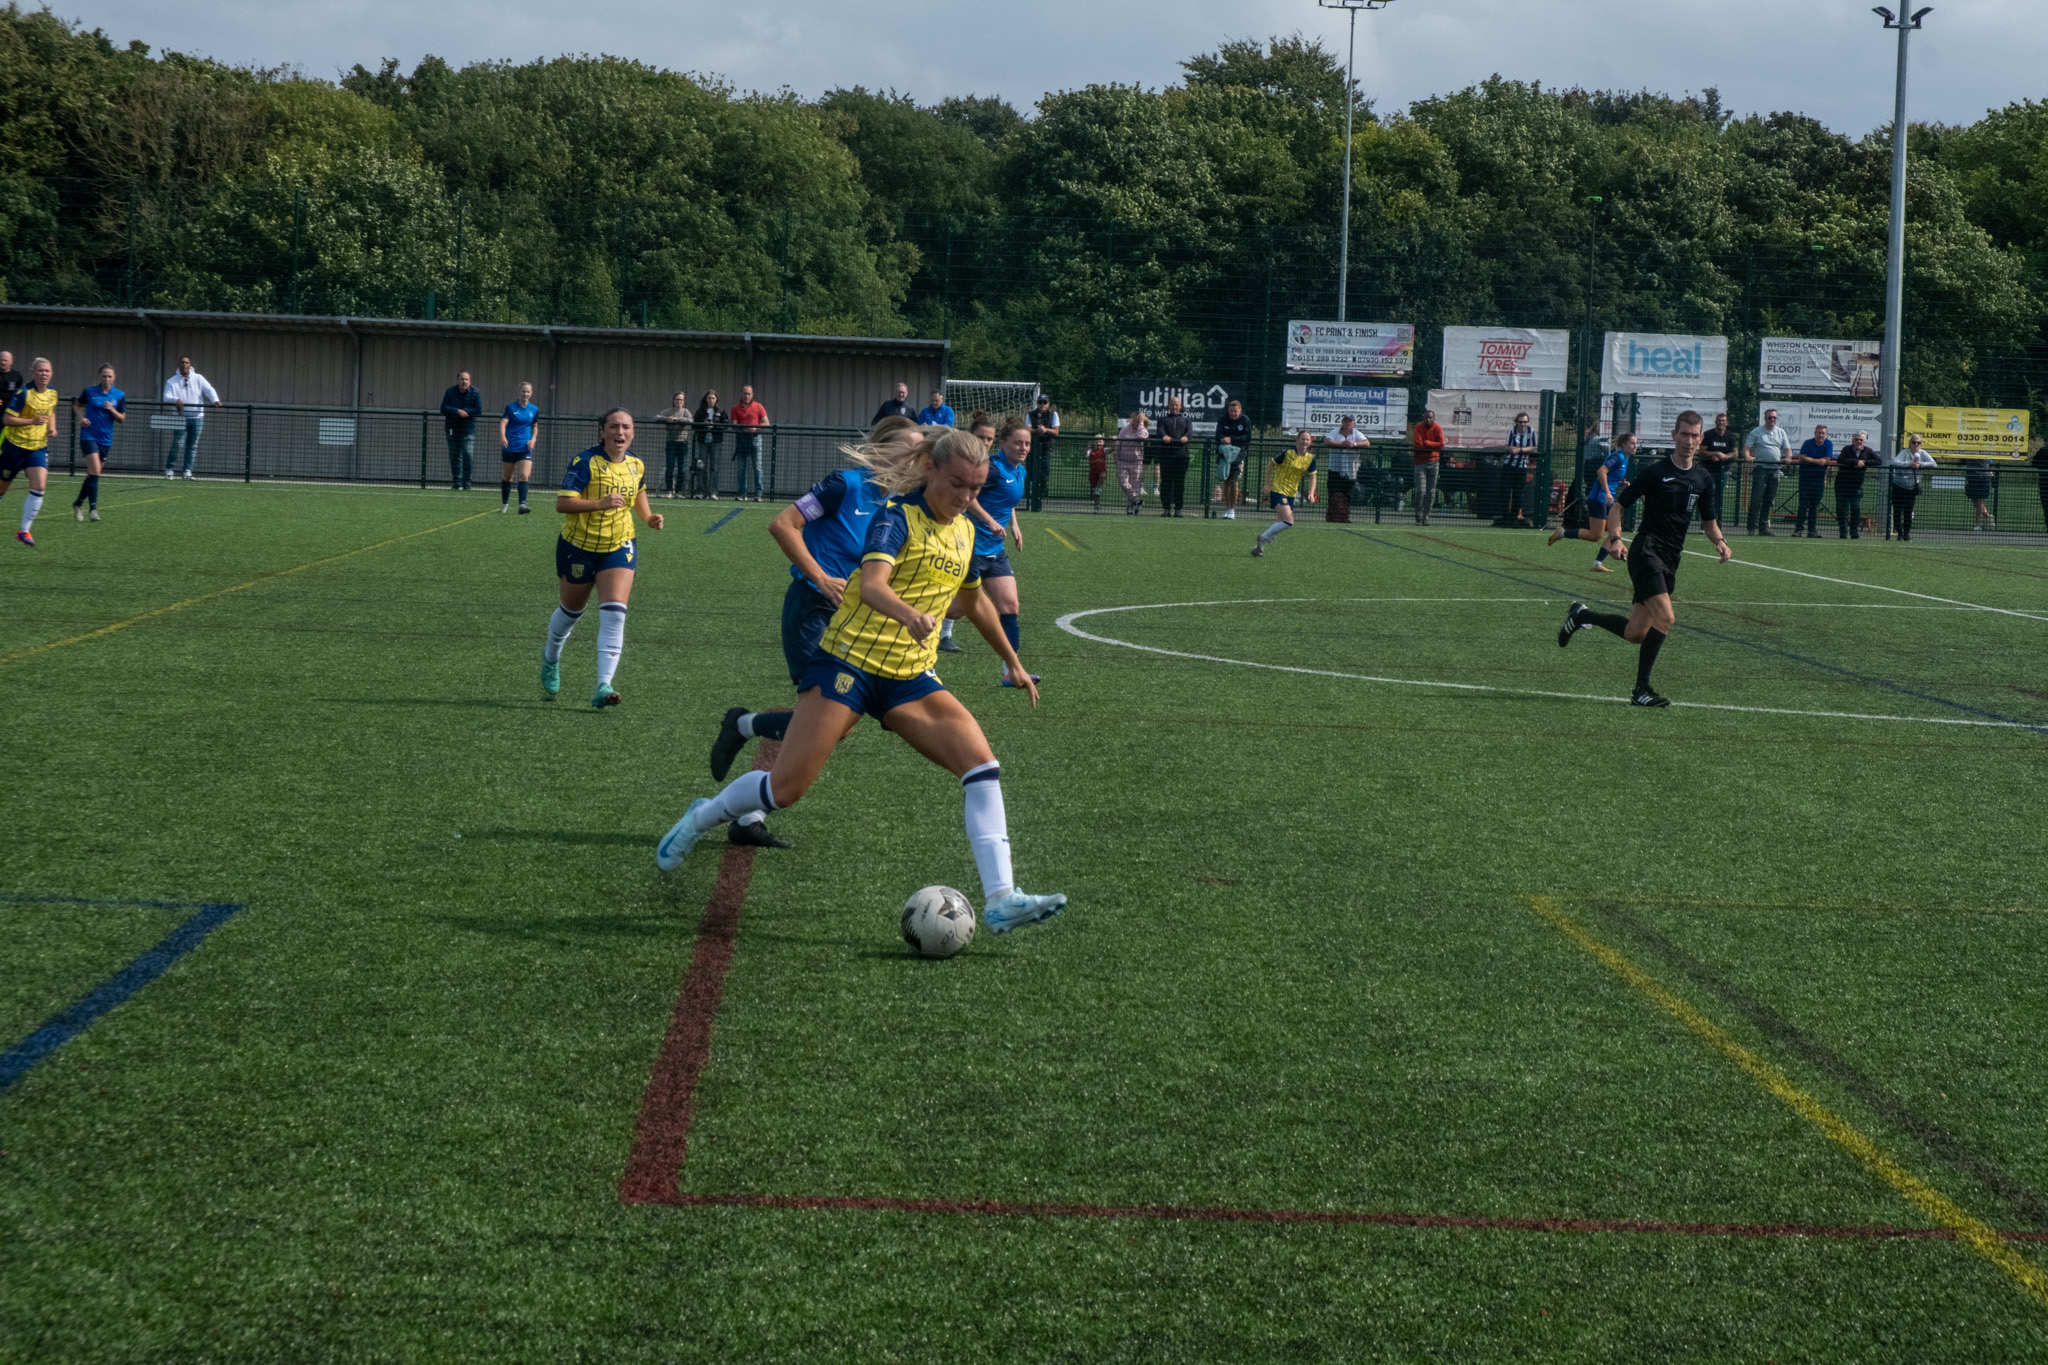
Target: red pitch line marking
(661,1136)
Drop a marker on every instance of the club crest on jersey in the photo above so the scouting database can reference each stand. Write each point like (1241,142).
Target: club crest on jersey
(843,684)
(576,570)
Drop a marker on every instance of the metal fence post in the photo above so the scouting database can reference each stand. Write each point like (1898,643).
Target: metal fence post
(71,455)
(1208,469)
(423,452)
(248,442)
(1546,441)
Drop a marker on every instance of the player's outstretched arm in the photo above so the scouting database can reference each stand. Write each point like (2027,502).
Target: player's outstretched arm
(982,612)
(645,511)
(787,530)
(974,510)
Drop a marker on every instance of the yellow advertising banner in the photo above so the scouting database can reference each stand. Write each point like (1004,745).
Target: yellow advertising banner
(1970,433)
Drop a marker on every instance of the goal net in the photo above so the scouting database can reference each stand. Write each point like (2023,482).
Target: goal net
(997,398)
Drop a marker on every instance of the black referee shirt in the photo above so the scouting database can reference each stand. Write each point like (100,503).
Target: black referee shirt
(1670,497)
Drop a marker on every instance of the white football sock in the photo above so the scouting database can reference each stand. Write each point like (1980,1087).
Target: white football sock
(30,505)
(988,828)
(946,629)
(559,626)
(1275,529)
(752,817)
(747,792)
(746,725)
(611,639)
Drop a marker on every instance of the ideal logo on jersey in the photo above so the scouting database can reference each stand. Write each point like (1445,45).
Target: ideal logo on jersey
(1664,359)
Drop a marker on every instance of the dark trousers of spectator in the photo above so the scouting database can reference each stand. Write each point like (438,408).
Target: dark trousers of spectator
(746,460)
(704,470)
(2044,497)
(1425,490)
(1514,495)
(1342,490)
(1848,513)
(675,473)
(1902,511)
(461,455)
(1710,506)
(1762,493)
(1807,519)
(1173,482)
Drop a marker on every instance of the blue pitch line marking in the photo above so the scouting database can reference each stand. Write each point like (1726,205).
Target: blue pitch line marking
(61,1027)
(723,520)
(1836,669)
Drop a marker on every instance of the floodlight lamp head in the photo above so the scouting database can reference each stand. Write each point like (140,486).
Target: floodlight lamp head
(1881,12)
(1920,14)
(1353,5)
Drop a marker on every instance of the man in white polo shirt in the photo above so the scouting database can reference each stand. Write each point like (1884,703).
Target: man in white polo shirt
(1344,444)
(189,393)
(1768,446)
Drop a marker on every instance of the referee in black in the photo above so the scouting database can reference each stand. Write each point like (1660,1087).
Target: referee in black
(1671,491)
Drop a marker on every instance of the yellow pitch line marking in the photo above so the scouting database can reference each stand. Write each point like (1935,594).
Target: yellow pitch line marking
(1979,1236)
(223,592)
(1061,539)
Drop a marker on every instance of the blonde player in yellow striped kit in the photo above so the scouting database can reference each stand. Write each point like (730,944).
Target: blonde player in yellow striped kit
(877,657)
(602,490)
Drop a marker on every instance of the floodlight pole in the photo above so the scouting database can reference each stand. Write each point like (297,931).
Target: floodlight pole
(1350,7)
(1895,255)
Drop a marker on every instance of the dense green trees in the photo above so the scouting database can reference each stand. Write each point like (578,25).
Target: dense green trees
(1115,230)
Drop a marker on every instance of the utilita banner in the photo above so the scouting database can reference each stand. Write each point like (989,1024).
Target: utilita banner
(1811,365)
(1349,348)
(1654,365)
(1203,403)
(1517,359)
(1320,407)
(1478,421)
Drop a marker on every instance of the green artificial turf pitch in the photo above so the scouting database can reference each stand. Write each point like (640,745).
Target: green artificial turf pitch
(383,1113)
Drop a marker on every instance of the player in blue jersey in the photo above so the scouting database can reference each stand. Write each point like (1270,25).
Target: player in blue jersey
(821,535)
(518,425)
(96,410)
(995,512)
(1603,505)
(876,658)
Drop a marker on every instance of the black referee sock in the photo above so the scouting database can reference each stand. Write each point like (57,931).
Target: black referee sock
(1647,659)
(1606,620)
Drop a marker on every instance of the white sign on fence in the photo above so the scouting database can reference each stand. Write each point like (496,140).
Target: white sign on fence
(1656,416)
(1810,365)
(1518,359)
(1842,420)
(1320,407)
(337,431)
(1351,348)
(1479,421)
(1657,365)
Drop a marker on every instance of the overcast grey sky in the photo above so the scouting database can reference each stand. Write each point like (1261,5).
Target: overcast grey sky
(1827,58)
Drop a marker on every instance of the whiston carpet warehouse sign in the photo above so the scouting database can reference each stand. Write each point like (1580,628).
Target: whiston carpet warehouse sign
(1847,369)
(1515,359)
(1350,348)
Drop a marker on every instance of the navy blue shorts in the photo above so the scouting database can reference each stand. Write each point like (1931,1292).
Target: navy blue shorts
(862,692)
(88,446)
(805,614)
(1597,509)
(1279,500)
(996,565)
(13,459)
(583,566)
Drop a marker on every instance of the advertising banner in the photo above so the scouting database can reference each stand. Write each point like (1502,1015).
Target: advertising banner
(1479,421)
(1842,420)
(1656,416)
(1518,359)
(1810,365)
(1320,407)
(1660,366)
(1350,348)
(1970,433)
(1204,403)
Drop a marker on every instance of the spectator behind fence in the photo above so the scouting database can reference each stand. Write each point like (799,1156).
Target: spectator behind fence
(1130,460)
(188,393)
(1098,470)
(1769,446)
(1344,443)
(710,420)
(1176,431)
(1977,488)
(1518,467)
(1716,455)
(937,413)
(1850,464)
(11,380)
(1045,426)
(2040,464)
(1428,451)
(899,406)
(675,464)
(1233,439)
(518,429)
(1905,486)
(1816,456)
(461,405)
(747,417)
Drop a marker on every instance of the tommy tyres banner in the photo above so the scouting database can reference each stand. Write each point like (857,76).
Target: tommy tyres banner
(1518,359)
(1350,348)
(1203,402)
(1320,407)
(1654,365)
(1811,365)
(1481,420)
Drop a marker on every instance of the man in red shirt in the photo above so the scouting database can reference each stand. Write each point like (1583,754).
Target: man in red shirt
(747,418)
(1428,447)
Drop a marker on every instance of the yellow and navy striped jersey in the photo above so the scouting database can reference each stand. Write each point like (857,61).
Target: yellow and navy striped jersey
(930,564)
(1289,469)
(36,403)
(591,475)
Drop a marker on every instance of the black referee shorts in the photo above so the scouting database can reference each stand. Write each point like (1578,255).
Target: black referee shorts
(1648,571)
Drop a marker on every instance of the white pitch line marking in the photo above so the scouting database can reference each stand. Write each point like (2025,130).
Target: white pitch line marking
(1066,623)
(1874,587)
